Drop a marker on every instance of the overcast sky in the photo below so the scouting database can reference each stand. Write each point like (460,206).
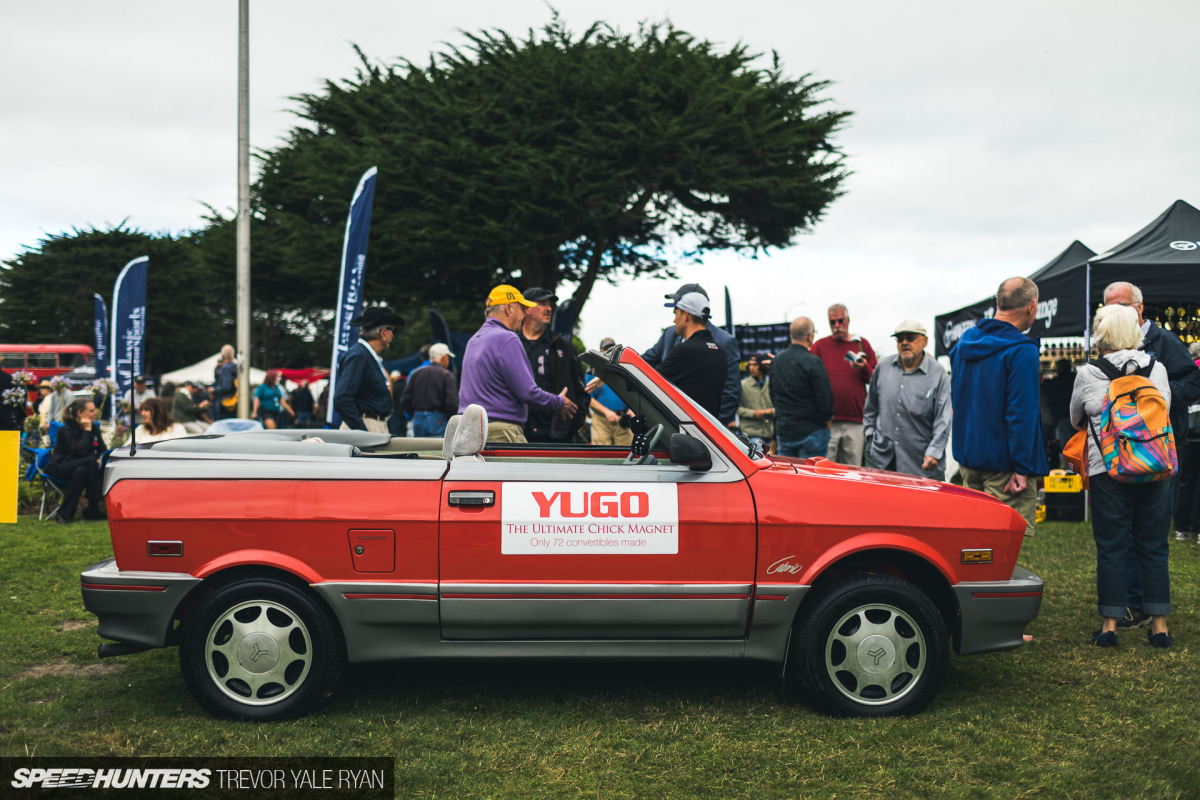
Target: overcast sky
(985,137)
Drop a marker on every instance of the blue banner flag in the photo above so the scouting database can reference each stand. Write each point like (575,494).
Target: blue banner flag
(100,329)
(350,284)
(128,324)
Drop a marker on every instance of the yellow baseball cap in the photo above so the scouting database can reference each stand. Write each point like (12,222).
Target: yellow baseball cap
(505,294)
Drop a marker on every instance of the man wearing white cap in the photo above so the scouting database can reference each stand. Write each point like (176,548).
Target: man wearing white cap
(907,415)
(697,366)
(731,389)
(431,394)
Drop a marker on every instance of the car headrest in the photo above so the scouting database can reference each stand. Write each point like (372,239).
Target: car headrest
(448,436)
(472,432)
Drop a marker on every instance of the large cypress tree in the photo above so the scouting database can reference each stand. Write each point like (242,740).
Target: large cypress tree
(548,158)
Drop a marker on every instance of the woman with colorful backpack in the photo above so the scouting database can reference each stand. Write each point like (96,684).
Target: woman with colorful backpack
(1122,400)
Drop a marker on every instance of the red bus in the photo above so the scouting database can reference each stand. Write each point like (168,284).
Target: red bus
(44,360)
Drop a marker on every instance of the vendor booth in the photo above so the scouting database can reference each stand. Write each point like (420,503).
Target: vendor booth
(1162,259)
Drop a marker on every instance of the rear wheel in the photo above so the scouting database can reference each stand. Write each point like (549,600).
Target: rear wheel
(260,649)
(873,645)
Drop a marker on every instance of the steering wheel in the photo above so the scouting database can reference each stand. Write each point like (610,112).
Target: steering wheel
(641,451)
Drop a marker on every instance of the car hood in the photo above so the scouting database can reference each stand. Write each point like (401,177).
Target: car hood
(866,476)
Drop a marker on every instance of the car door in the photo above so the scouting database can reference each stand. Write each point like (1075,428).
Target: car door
(555,547)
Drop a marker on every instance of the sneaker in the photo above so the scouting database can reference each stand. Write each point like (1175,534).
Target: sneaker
(1183,536)
(1134,618)
(1159,639)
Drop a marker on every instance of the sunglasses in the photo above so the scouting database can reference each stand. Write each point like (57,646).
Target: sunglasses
(907,337)
(390,328)
(838,321)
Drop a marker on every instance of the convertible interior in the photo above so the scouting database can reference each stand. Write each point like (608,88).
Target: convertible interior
(466,435)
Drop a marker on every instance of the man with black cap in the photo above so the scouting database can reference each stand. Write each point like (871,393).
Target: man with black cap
(756,413)
(363,397)
(731,388)
(496,373)
(907,416)
(555,367)
(697,365)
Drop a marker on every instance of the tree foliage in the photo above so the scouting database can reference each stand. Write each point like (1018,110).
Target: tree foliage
(553,157)
(47,293)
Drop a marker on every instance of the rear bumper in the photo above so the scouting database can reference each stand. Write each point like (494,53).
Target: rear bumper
(134,607)
(993,616)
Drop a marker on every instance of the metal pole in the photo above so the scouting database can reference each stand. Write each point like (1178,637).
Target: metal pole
(243,211)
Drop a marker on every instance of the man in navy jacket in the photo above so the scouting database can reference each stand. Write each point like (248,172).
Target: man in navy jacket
(731,389)
(994,383)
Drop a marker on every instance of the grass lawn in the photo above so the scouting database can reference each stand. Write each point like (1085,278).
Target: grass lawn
(1057,718)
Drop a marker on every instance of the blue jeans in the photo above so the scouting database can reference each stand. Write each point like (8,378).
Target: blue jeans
(815,444)
(429,423)
(1130,521)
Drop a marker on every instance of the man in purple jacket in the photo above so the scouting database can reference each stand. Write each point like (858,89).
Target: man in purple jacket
(496,372)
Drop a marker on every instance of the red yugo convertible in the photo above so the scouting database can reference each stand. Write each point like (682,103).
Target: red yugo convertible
(274,558)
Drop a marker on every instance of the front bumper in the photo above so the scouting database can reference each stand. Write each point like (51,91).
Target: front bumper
(134,607)
(993,616)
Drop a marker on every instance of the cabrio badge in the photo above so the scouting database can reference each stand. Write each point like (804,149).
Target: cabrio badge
(784,566)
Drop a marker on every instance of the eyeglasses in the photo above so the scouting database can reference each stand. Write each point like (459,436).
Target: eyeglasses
(390,328)
(907,337)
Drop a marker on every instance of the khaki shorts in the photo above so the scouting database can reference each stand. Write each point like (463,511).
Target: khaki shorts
(1024,503)
(505,432)
(605,432)
(373,425)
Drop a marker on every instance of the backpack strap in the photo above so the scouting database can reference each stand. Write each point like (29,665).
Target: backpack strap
(1112,371)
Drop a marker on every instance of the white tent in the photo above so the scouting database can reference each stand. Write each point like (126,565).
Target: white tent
(202,372)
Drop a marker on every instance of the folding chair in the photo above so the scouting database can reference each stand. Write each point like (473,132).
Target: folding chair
(50,485)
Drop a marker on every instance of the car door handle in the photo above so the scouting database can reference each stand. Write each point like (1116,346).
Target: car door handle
(473,498)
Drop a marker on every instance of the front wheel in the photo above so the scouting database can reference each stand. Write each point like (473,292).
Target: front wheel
(873,645)
(259,649)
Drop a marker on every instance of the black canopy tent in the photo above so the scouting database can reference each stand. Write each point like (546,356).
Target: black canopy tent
(1162,259)
(1062,309)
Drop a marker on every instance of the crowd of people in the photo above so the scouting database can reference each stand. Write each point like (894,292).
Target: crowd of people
(831,397)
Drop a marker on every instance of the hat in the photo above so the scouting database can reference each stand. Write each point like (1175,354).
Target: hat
(439,351)
(45,384)
(376,316)
(539,295)
(607,342)
(687,288)
(693,303)
(911,326)
(504,294)
(139,378)
(762,357)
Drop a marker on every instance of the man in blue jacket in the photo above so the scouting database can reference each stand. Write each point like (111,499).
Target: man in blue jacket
(994,386)
(731,389)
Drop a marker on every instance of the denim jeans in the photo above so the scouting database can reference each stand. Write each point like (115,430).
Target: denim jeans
(429,423)
(815,444)
(1130,521)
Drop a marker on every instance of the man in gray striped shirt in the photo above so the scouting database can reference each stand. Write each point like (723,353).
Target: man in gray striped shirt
(906,419)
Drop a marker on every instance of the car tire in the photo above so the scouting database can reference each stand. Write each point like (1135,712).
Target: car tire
(872,645)
(260,649)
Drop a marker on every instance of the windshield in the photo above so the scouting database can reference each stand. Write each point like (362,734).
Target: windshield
(638,393)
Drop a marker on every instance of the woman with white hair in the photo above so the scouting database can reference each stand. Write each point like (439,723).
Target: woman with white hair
(1125,516)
